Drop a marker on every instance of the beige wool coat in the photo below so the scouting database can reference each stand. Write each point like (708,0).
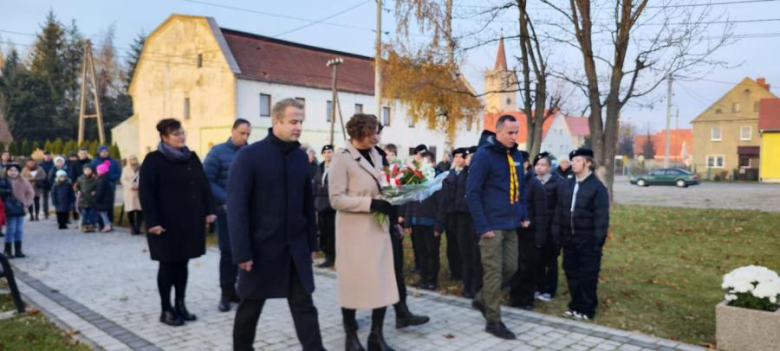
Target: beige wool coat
(364,259)
(130,195)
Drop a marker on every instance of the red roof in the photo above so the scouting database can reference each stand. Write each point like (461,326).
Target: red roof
(677,139)
(501,57)
(491,118)
(277,61)
(578,126)
(769,114)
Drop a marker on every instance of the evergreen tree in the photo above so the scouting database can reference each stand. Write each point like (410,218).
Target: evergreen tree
(73,58)
(132,60)
(2,146)
(47,66)
(58,147)
(69,147)
(648,149)
(113,151)
(36,145)
(93,146)
(26,148)
(13,149)
(48,146)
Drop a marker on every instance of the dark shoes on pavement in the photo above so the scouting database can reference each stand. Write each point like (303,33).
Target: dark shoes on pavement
(224,304)
(499,330)
(171,318)
(405,318)
(8,252)
(376,340)
(181,310)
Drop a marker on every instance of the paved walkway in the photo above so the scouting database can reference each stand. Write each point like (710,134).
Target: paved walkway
(104,287)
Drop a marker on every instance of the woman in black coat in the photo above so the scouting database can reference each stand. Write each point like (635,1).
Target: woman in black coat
(547,271)
(177,203)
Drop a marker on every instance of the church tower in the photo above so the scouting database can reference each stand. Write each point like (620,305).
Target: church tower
(501,85)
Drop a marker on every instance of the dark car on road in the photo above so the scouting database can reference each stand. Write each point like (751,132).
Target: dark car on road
(666,176)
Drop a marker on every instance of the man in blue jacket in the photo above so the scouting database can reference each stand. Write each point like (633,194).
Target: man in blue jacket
(217,165)
(496,198)
(114,174)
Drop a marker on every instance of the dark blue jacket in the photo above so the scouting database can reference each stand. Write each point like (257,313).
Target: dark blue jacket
(487,190)
(47,166)
(217,165)
(271,217)
(63,197)
(114,170)
(587,225)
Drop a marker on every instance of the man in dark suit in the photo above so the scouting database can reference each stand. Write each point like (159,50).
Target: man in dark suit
(272,228)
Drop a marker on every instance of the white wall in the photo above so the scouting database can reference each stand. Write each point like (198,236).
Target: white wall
(558,141)
(317,130)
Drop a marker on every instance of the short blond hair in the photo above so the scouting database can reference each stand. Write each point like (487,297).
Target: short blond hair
(282,105)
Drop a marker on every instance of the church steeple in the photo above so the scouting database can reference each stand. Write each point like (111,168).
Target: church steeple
(500,85)
(501,57)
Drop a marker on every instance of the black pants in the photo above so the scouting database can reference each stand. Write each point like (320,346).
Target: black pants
(429,255)
(326,220)
(416,249)
(62,219)
(453,248)
(135,218)
(228,274)
(398,264)
(75,214)
(172,275)
(350,323)
(468,242)
(582,265)
(523,283)
(46,196)
(35,208)
(304,315)
(547,270)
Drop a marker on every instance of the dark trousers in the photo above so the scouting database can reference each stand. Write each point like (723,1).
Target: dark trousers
(429,255)
(523,284)
(35,208)
(172,275)
(135,218)
(468,242)
(62,219)
(416,249)
(46,197)
(453,248)
(228,271)
(304,315)
(547,270)
(582,265)
(397,240)
(326,221)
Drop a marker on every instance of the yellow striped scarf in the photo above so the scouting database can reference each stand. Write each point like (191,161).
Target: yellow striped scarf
(514,183)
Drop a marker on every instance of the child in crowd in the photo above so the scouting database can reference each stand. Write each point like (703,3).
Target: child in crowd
(86,187)
(104,199)
(63,197)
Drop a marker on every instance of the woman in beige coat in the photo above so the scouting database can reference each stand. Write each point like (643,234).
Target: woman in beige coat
(130,193)
(366,279)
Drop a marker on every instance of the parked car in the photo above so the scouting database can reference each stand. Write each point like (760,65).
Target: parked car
(666,176)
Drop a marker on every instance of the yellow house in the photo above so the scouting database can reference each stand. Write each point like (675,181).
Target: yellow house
(725,135)
(769,128)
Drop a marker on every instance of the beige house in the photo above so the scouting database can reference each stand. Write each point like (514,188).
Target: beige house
(725,135)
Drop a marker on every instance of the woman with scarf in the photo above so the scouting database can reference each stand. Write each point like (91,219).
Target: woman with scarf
(130,189)
(17,195)
(177,203)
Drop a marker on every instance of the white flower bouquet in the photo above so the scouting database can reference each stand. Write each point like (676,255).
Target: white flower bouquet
(752,287)
(402,184)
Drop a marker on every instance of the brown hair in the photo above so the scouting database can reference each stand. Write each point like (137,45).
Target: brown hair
(362,125)
(168,126)
(282,105)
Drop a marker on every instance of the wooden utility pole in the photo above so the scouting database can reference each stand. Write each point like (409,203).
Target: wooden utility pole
(378,61)
(335,64)
(668,119)
(88,76)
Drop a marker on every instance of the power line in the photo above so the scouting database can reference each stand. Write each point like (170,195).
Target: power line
(322,19)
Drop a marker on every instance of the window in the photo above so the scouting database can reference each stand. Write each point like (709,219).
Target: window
(186,108)
(385,116)
(265,105)
(735,108)
(673,172)
(718,111)
(756,105)
(358,108)
(508,101)
(200,60)
(744,162)
(715,134)
(715,161)
(329,112)
(746,133)
(410,120)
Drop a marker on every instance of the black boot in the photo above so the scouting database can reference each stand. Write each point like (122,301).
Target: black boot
(171,318)
(376,340)
(8,252)
(181,310)
(19,253)
(405,318)
(224,304)
(352,343)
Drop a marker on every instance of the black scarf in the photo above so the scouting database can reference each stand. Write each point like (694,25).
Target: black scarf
(173,154)
(286,146)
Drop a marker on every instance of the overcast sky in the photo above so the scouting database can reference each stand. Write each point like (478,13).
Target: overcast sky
(351,30)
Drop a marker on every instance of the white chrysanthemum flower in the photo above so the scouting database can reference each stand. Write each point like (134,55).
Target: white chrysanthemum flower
(730,297)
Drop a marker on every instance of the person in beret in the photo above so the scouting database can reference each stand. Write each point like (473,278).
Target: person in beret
(580,225)
(547,270)
(326,215)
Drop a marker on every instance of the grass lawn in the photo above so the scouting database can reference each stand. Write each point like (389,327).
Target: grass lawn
(32,331)
(662,268)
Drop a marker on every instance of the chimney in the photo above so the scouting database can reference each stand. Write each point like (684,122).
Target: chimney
(762,82)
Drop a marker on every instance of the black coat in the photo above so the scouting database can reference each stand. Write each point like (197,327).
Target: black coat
(589,222)
(453,192)
(63,196)
(104,200)
(568,173)
(551,189)
(271,217)
(321,198)
(536,200)
(176,196)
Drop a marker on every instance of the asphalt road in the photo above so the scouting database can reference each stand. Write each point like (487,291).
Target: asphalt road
(746,196)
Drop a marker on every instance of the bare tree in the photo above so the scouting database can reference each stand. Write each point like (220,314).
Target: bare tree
(631,62)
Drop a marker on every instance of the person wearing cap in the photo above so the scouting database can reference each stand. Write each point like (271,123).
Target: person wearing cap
(547,270)
(581,223)
(564,168)
(17,194)
(418,150)
(86,191)
(112,177)
(63,197)
(47,164)
(530,240)
(326,215)
(217,167)
(59,165)
(37,178)
(454,211)
(496,198)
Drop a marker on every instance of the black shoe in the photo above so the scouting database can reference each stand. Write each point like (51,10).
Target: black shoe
(18,247)
(326,264)
(405,318)
(479,307)
(468,294)
(181,311)
(234,298)
(224,304)
(8,252)
(171,318)
(499,330)
(376,340)
(352,342)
